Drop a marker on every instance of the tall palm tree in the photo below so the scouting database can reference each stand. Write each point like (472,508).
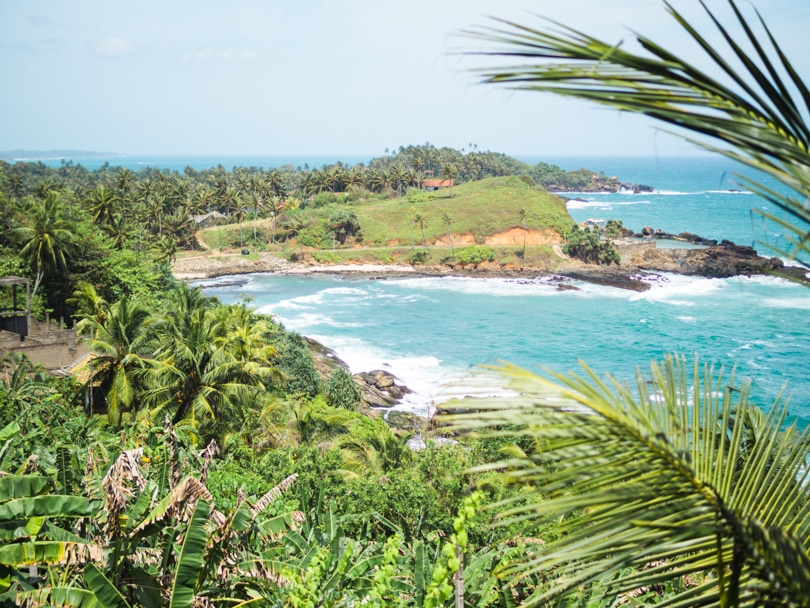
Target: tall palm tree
(447,220)
(523,213)
(420,220)
(119,341)
(450,172)
(47,237)
(756,109)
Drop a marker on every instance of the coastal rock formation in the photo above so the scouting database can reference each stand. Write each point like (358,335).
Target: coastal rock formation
(380,388)
(719,261)
(686,237)
(207,266)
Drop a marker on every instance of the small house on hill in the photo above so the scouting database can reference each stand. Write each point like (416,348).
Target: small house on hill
(437,184)
(209,219)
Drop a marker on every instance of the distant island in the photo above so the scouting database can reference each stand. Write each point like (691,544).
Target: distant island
(50,154)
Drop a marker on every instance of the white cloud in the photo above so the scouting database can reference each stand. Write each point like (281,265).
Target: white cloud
(225,55)
(113,46)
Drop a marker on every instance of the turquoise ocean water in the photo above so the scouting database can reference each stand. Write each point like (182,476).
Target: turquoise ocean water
(434,332)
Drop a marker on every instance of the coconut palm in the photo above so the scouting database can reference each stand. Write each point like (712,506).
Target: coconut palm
(47,237)
(756,108)
(523,213)
(450,172)
(447,220)
(667,482)
(119,340)
(685,488)
(420,220)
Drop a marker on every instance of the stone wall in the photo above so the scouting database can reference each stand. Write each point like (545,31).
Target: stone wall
(627,248)
(48,343)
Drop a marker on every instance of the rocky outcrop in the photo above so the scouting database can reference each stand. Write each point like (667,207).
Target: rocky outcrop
(611,276)
(380,388)
(720,261)
(686,237)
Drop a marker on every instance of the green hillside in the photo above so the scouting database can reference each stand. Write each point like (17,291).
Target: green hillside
(480,208)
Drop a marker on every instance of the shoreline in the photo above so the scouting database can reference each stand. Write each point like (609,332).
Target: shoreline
(197,268)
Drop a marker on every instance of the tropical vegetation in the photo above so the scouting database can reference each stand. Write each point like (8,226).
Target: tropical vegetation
(199,456)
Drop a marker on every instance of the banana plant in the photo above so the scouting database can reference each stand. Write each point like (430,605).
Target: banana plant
(28,536)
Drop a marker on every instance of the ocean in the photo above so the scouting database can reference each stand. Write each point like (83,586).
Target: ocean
(435,334)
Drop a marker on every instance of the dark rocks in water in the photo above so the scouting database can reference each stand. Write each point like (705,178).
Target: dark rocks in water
(696,240)
(611,276)
(647,231)
(567,287)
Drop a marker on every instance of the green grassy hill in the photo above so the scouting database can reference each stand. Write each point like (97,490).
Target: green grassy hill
(481,208)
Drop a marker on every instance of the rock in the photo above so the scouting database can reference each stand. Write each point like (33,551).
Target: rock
(383,379)
(380,388)
(612,276)
(647,231)
(695,239)
(395,391)
(720,261)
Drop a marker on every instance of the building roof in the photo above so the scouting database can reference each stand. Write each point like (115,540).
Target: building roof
(437,183)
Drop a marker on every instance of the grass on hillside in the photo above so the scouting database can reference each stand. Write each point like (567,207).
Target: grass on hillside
(481,208)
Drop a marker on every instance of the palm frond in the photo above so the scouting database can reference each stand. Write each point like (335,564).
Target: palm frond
(668,472)
(758,109)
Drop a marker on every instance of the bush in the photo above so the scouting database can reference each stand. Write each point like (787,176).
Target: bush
(586,244)
(342,390)
(344,223)
(295,362)
(475,255)
(311,236)
(418,257)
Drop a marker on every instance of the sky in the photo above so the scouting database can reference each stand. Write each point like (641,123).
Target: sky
(297,77)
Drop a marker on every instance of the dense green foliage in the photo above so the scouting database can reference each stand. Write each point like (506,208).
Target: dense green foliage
(342,391)
(591,245)
(203,463)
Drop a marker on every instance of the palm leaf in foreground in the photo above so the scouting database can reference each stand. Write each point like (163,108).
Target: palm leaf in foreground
(666,483)
(758,109)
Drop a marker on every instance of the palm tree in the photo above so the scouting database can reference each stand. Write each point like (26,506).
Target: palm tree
(118,338)
(420,220)
(675,488)
(447,220)
(449,172)
(523,213)
(757,111)
(47,237)
(661,483)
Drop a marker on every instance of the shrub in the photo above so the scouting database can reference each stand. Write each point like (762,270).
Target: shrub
(586,244)
(295,362)
(418,257)
(344,223)
(342,390)
(311,236)
(475,255)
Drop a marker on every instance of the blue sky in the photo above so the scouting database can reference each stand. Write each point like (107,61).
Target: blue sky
(310,76)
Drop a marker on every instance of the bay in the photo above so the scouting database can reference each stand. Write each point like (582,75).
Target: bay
(435,333)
